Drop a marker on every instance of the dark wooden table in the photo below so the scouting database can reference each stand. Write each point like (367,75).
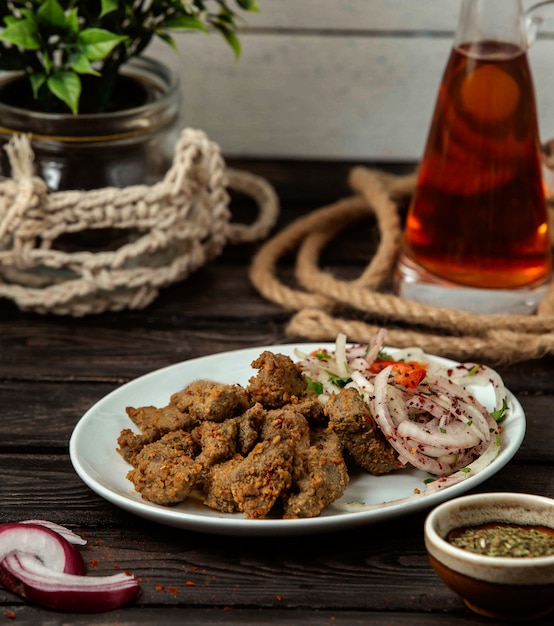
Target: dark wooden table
(52,369)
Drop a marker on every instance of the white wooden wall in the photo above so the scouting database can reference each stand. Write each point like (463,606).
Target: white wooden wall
(330,79)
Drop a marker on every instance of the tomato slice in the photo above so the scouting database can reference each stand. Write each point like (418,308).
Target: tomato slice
(406,373)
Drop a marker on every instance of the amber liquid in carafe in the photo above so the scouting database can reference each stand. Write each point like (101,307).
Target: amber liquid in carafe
(478,216)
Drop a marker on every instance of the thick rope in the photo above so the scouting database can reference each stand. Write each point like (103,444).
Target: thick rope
(173,227)
(319,299)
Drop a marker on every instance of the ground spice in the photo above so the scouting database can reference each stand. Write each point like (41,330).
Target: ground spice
(505,540)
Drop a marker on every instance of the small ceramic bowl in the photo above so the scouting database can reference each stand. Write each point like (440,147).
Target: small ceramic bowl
(500,587)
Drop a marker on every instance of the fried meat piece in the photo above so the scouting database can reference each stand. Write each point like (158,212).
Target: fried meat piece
(163,473)
(218,486)
(262,477)
(279,380)
(350,417)
(320,476)
(249,424)
(209,400)
(217,442)
(155,422)
(286,423)
(130,444)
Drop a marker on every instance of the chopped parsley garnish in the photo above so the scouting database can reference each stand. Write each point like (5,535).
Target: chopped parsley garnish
(466,470)
(501,414)
(322,355)
(339,381)
(315,386)
(474,370)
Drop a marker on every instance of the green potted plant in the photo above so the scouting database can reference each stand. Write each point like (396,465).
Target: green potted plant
(73,75)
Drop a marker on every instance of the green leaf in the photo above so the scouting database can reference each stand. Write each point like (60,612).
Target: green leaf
(97,43)
(249,5)
(51,13)
(23,34)
(47,62)
(230,38)
(72,22)
(67,87)
(168,39)
(186,22)
(37,80)
(80,64)
(107,6)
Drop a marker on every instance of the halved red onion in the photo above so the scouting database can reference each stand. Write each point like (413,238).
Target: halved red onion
(66,533)
(27,576)
(46,544)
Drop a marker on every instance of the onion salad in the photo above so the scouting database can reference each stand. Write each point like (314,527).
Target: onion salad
(39,561)
(422,406)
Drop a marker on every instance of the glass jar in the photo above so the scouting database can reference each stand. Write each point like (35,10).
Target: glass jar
(92,151)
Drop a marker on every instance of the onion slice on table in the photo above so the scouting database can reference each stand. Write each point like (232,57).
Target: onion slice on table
(25,575)
(66,533)
(49,546)
(39,561)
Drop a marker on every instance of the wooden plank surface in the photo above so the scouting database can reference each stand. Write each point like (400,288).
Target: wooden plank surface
(53,369)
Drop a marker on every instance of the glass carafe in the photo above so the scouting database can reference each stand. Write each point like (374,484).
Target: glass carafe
(476,235)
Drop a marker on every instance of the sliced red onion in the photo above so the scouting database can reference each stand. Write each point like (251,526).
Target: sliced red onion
(27,576)
(471,469)
(454,435)
(66,533)
(340,355)
(375,346)
(438,426)
(44,543)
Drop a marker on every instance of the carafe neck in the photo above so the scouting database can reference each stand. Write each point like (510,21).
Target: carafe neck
(500,21)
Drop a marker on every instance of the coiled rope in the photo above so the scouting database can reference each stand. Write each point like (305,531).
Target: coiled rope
(319,299)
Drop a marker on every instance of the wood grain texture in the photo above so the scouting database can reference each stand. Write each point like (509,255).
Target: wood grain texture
(53,369)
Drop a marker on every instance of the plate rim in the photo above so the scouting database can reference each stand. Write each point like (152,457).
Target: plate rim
(271,527)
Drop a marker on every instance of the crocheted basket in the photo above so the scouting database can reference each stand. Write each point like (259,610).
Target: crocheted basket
(166,231)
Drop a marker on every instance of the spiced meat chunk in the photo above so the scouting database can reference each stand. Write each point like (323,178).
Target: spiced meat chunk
(217,442)
(320,476)
(286,423)
(163,471)
(312,409)
(209,400)
(130,444)
(155,422)
(279,380)
(249,424)
(350,417)
(262,477)
(218,486)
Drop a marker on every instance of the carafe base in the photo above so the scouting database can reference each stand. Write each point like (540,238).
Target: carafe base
(412,282)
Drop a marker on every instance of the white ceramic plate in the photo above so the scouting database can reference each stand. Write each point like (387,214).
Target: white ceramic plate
(95,458)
